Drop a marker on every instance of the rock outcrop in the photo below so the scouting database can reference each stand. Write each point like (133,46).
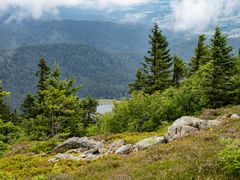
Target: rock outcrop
(235,116)
(126,149)
(82,144)
(188,125)
(115,145)
(148,142)
(88,149)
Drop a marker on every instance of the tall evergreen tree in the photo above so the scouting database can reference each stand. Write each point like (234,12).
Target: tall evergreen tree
(28,107)
(4,108)
(200,56)
(59,101)
(156,73)
(223,63)
(178,70)
(42,74)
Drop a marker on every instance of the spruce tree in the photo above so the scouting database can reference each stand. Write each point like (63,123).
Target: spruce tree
(200,57)
(42,74)
(4,108)
(139,82)
(178,70)
(28,107)
(59,101)
(156,73)
(223,63)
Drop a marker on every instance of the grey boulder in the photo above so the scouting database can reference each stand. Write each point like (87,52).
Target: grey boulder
(148,142)
(125,149)
(235,116)
(82,144)
(188,125)
(115,145)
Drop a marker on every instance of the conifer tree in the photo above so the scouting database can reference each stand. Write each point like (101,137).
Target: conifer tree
(89,106)
(59,101)
(42,74)
(156,73)
(4,108)
(28,107)
(223,63)
(178,70)
(139,82)
(200,57)
(235,83)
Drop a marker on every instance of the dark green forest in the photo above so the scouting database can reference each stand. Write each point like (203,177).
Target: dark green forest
(102,74)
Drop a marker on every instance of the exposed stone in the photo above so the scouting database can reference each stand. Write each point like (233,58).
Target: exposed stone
(126,149)
(148,142)
(79,150)
(235,116)
(64,156)
(115,145)
(188,125)
(75,142)
(231,130)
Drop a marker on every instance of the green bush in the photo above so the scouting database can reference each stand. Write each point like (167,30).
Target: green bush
(44,146)
(229,157)
(3,148)
(144,112)
(10,133)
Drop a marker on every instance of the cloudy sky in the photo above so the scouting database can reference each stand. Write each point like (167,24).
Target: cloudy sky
(184,15)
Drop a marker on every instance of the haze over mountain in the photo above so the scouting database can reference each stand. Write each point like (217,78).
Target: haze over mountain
(114,32)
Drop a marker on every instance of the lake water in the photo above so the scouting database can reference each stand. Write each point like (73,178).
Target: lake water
(102,109)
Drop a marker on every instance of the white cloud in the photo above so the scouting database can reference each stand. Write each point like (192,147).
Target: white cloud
(197,15)
(37,8)
(135,17)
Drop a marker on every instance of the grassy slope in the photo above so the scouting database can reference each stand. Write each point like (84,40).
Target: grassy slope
(195,156)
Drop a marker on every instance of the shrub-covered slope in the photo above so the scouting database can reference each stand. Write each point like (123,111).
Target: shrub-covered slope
(209,154)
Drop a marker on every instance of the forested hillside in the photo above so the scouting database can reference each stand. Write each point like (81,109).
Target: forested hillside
(103,35)
(103,74)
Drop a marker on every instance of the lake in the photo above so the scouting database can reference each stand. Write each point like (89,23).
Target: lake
(102,109)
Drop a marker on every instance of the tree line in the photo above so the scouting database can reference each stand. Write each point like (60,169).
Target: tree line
(54,109)
(166,88)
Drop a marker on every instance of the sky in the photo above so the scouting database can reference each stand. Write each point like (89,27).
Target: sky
(183,15)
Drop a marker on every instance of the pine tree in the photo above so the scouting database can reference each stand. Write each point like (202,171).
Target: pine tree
(4,108)
(235,83)
(223,63)
(178,70)
(156,73)
(89,106)
(28,107)
(42,74)
(59,101)
(138,84)
(200,57)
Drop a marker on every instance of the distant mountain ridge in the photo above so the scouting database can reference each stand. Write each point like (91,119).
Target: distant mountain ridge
(103,74)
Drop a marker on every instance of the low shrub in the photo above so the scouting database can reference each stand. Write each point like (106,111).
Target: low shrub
(229,157)
(3,148)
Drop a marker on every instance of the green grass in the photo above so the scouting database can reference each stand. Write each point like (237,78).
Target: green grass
(192,157)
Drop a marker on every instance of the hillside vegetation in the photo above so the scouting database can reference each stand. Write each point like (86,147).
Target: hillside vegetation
(193,157)
(165,89)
